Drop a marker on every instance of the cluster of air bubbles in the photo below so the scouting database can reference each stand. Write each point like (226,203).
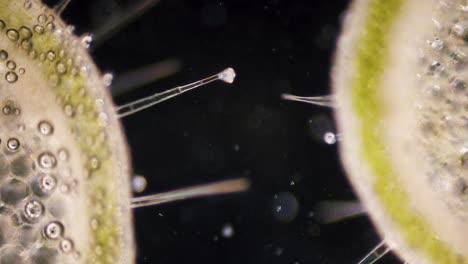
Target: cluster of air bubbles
(441,108)
(58,59)
(23,37)
(24,197)
(10,109)
(10,65)
(37,174)
(31,209)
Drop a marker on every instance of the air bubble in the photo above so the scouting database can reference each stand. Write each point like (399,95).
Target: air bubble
(25,32)
(68,109)
(436,68)
(61,68)
(48,183)
(51,55)
(94,163)
(45,128)
(32,54)
(460,29)
(80,108)
(44,184)
(26,45)
(94,224)
(64,188)
(47,160)
(39,29)
(66,172)
(11,65)
(66,245)
(6,110)
(11,77)
(3,55)
(63,154)
(53,230)
(27,4)
(2,24)
(33,210)
(98,250)
(41,19)
(50,26)
(54,80)
(21,127)
(12,34)
(13,144)
(76,255)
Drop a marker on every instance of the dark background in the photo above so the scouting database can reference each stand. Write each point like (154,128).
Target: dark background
(226,131)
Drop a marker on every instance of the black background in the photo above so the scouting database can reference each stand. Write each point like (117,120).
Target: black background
(241,130)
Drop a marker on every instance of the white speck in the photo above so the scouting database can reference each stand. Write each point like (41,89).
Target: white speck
(86,40)
(228,75)
(329,138)
(139,183)
(227,231)
(278,251)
